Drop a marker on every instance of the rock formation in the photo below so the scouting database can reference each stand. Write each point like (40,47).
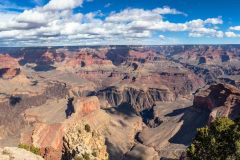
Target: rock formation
(81,141)
(142,152)
(14,153)
(49,136)
(9,67)
(137,99)
(221,100)
(16,103)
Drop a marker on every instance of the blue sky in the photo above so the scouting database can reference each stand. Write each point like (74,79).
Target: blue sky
(90,22)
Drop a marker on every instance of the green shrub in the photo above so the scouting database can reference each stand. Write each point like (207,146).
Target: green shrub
(87,128)
(219,141)
(78,158)
(94,154)
(30,148)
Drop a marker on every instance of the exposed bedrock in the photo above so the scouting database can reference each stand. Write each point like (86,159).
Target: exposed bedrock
(49,136)
(14,153)
(81,142)
(141,152)
(14,105)
(230,81)
(222,100)
(9,67)
(138,99)
(208,75)
(9,73)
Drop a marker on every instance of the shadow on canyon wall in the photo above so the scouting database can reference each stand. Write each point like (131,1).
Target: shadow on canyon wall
(192,119)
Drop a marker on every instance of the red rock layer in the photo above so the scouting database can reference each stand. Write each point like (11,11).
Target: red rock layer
(49,137)
(9,67)
(221,100)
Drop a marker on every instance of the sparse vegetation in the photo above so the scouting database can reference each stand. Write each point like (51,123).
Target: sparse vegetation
(87,128)
(86,156)
(93,133)
(78,158)
(94,154)
(30,148)
(219,141)
(5,152)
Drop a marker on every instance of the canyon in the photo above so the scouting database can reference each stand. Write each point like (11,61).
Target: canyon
(114,102)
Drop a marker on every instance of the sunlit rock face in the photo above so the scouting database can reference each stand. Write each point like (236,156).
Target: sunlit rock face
(143,102)
(9,67)
(221,100)
(48,135)
(9,153)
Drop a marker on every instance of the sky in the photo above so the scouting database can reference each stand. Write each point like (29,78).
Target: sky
(118,22)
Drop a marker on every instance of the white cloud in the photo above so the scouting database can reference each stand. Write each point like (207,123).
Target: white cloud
(232,35)
(167,10)
(7,16)
(33,16)
(56,23)
(205,32)
(214,20)
(236,28)
(63,4)
(9,34)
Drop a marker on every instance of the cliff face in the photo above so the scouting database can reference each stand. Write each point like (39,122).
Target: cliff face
(14,105)
(9,67)
(213,63)
(144,91)
(206,55)
(49,136)
(222,100)
(138,99)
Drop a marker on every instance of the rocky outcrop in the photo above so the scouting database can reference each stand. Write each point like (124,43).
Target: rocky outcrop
(140,151)
(140,87)
(211,62)
(81,141)
(9,67)
(137,99)
(49,136)
(221,100)
(14,105)
(14,153)
(206,55)
(84,57)
(122,54)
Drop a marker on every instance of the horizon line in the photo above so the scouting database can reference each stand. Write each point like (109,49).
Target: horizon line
(112,45)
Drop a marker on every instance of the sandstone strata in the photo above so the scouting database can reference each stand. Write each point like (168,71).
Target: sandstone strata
(221,100)
(9,67)
(49,136)
(145,95)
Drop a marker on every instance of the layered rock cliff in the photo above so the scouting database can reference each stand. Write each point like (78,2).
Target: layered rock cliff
(221,100)
(48,136)
(14,105)
(138,99)
(9,67)
(135,84)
